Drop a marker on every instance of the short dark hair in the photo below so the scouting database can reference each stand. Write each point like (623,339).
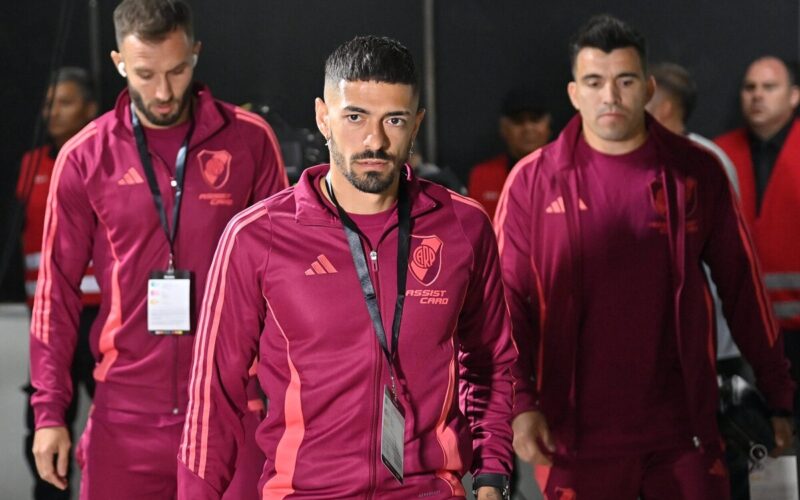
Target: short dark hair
(676,81)
(79,77)
(607,33)
(372,58)
(524,103)
(152,20)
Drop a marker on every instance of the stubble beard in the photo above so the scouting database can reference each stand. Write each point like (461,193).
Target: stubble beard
(368,182)
(160,121)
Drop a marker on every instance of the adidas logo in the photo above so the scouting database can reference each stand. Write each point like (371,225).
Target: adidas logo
(131,178)
(557,207)
(321,266)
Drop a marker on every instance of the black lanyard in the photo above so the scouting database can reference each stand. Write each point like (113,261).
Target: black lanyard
(180,168)
(359,259)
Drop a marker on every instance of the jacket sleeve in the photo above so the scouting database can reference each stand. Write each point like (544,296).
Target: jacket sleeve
(270,172)
(513,228)
(67,242)
(230,324)
(731,256)
(486,355)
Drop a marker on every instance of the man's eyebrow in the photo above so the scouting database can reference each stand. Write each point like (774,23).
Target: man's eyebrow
(356,109)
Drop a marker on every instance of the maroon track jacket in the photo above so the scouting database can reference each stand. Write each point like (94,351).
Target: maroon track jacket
(704,223)
(283,289)
(100,208)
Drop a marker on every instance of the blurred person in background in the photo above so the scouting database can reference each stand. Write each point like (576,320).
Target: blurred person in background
(70,105)
(525,126)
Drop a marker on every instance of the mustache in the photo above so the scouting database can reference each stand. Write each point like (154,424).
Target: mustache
(372,155)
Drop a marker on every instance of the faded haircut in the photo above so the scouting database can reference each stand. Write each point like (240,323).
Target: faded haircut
(152,20)
(607,33)
(372,58)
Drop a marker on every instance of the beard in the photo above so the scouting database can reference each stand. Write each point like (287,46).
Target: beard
(368,182)
(160,120)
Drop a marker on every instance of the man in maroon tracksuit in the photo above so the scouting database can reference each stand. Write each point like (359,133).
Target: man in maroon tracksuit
(373,302)
(144,192)
(602,235)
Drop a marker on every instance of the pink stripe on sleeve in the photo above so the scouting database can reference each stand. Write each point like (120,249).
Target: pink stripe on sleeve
(204,345)
(40,327)
(259,122)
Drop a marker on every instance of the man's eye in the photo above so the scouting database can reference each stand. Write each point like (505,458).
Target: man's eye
(397,121)
(353,118)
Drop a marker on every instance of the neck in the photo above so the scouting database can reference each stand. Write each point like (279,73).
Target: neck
(354,201)
(675,125)
(768,131)
(59,142)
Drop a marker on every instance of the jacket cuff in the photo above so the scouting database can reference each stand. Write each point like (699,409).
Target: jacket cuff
(48,415)
(524,401)
(499,481)
(493,466)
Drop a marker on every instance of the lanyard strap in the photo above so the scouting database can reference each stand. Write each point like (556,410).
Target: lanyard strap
(359,259)
(180,168)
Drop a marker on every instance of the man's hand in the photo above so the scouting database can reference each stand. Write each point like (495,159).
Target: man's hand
(783,434)
(532,441)
(51,449)
(489,493)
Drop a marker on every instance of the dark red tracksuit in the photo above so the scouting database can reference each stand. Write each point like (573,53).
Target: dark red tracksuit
(100,208)
(650,326)
(283,288)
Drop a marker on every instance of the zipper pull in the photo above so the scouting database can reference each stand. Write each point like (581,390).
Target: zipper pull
(373,255)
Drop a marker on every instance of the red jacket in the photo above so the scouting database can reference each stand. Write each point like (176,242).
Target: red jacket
(283,289)
(39,164)
(486,181)
(100,208)
(776,228)
(537,253)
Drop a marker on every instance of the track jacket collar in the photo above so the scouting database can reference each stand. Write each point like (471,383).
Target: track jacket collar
(314,210)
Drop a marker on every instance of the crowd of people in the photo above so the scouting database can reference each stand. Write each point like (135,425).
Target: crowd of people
(367,333)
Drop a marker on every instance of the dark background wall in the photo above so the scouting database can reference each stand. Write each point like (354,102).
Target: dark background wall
(273,52)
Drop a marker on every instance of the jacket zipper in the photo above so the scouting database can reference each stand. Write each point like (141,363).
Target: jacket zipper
(376,408)
(175,409)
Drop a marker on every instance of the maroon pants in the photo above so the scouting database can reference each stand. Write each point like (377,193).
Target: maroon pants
(681,474)
(121,458)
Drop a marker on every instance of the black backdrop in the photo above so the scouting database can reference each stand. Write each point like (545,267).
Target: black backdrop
(273,52)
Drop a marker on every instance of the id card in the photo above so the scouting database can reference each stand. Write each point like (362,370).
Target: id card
(393,428)
(169,303)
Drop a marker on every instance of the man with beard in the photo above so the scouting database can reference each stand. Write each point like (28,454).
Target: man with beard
(373,304)
(602,235)
(144,192)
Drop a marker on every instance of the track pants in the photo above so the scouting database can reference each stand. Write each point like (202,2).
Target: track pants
(122,458)
(679,474)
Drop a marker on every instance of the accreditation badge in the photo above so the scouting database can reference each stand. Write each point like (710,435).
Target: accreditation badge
(169,299)
(393,428)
